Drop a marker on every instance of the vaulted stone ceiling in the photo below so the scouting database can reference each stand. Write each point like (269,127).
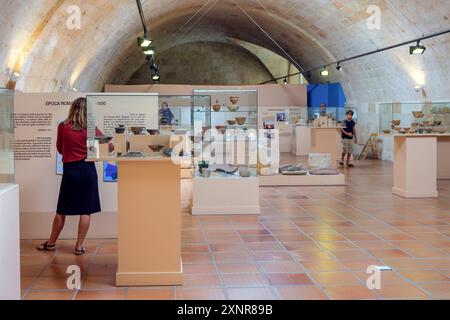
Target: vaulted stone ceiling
(34,40)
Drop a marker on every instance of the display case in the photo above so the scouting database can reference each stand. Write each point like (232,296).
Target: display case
(286,115)
(6,136)
(328,116)
(416,118)
(176,112)
(141,125)
(229,136)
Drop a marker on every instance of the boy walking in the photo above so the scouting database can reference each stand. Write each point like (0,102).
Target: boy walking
(348,139)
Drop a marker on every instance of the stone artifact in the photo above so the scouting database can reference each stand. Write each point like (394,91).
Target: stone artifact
(294,170)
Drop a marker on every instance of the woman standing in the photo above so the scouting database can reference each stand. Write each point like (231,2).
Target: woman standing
(78,195)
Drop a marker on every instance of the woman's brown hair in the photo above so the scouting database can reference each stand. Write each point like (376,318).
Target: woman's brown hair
(78,115)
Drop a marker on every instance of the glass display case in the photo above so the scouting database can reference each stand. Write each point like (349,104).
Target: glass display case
(176,112)
(226,134)
(141,125)
(334,114)
(285,115)
(417,118)
(6,136)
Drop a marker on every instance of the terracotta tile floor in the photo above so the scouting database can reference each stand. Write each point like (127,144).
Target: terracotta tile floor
(309,243)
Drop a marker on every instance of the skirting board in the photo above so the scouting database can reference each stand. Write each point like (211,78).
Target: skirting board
(307,180)
(149,279)
(415,194)
(212,211)
(36,225)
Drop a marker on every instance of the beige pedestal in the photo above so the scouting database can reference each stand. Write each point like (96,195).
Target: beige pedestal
(327,140)
(443,158)
(149,218)
(415,166)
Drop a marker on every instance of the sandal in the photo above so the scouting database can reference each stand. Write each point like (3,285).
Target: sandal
(351,165)
(46,247)
(80,252)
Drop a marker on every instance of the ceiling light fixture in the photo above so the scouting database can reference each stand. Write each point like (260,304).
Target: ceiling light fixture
(417,49)
(149,51)
(339,67)
(324,72)
(285,81)
(144,42)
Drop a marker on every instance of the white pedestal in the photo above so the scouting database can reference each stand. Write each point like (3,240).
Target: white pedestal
(415,166)
(9,242)
(219,195)
(443,158)
(302,141)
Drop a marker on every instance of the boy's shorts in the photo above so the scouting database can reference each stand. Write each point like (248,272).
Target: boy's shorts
(347,145)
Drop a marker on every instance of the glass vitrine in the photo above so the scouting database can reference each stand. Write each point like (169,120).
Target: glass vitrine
(418,118)
(6,136)
(229,139)
(142,125)
(286,115)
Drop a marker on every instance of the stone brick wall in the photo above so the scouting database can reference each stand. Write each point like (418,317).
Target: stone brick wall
(206,63)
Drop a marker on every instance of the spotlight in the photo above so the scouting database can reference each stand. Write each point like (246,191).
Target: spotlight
(339,67)
(418,87)
(144,42)
(308,75)
(285,81)
(324,72)
(417,49)
(156,77)
(149,51)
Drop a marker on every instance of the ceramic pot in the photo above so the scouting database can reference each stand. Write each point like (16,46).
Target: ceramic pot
(137,130)
(418,114)
(156,147)
(152,132)
(120,129)
(233,108)
(221,129)
(234,100)
(231,122)
(241,120)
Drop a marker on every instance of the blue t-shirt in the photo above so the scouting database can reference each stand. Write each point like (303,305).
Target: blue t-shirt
(349,125)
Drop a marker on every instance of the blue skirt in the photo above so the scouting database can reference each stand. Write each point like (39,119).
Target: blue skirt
(79,190)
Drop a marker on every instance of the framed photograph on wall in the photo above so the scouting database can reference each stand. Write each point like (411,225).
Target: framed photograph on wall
(281,117)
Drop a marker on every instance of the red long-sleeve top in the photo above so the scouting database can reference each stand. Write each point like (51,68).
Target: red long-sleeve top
(71,144)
